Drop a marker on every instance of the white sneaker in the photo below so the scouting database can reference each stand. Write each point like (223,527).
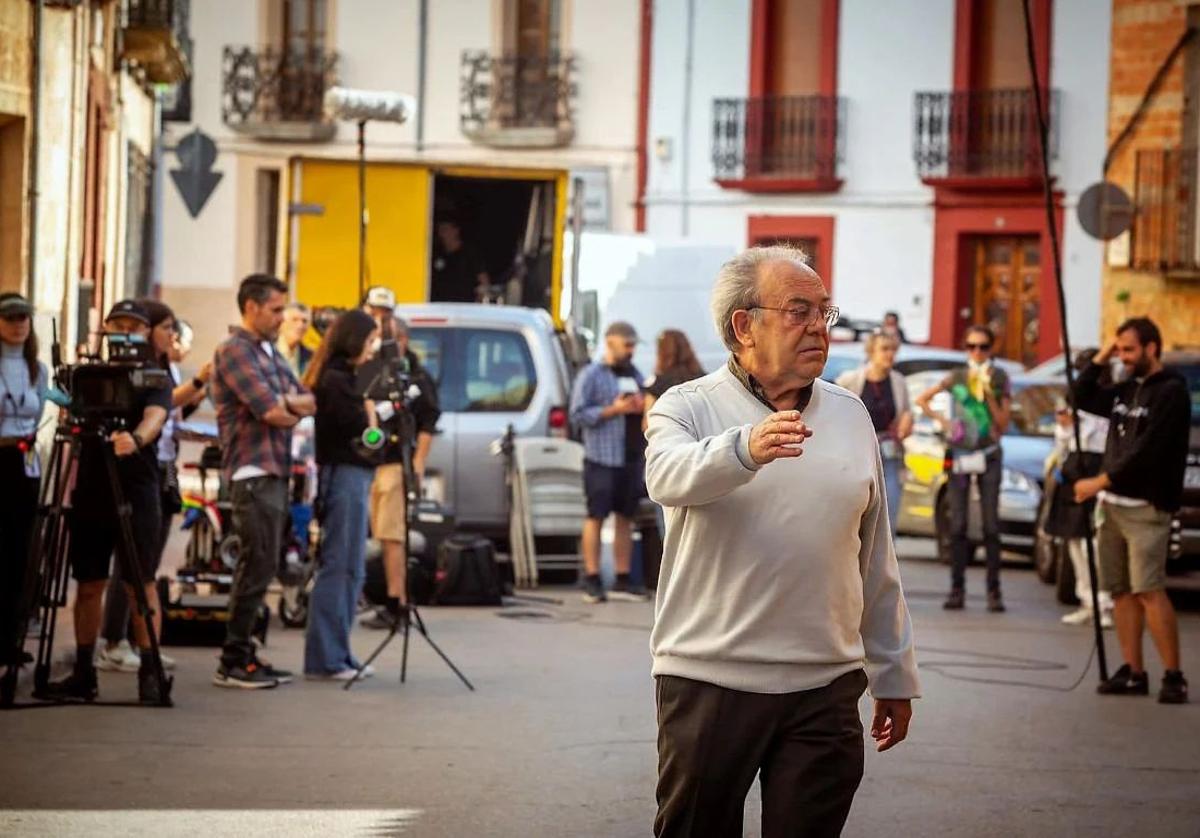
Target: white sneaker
(119,658)
(1106,620)
(168,662)
(346,674)
(1078,617)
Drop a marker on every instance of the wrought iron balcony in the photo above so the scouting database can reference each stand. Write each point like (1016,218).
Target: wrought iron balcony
(278,94)
(1164,228)
(978,134)
(517,100)
(778,143)
(154,35)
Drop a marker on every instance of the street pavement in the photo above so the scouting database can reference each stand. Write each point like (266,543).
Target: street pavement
(558,740)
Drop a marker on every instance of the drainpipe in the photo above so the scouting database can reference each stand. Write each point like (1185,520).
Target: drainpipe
(422,61)
(35,101)
(645,56)
(685,155)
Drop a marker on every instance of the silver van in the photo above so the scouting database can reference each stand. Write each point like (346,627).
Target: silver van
(494,366)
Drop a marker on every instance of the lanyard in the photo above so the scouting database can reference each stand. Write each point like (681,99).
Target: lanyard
(17,407)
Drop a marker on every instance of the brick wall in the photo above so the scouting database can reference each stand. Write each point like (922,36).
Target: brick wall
(1143,33)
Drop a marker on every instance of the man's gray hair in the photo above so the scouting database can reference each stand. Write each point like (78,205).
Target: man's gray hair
(736,287)
(297,306)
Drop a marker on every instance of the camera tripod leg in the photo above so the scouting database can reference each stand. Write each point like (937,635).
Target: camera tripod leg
(404,656)
(48,571)
(415,619)
(378,649)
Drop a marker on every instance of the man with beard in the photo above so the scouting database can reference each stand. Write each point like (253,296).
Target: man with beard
(607,402)
(1139,487)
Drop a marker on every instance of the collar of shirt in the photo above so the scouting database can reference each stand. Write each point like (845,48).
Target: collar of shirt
(756,389)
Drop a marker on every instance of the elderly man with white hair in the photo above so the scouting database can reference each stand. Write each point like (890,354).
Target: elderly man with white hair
(779,598)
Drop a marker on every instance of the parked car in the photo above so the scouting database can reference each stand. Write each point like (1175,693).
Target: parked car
(912,358)
(495,366)
(924,506)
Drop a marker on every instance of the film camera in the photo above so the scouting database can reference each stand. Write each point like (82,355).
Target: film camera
(105,386)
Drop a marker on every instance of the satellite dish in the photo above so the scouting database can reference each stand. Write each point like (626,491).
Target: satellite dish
(1105,211)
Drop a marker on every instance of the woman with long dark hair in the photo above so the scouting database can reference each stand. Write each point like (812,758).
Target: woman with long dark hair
(23,385)
(675,362)
(344,484)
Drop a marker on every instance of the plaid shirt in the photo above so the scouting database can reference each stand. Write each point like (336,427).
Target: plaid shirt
(603,439)
(246,383)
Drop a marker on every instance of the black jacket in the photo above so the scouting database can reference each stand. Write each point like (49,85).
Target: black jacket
(341,416)
(425,407)
(1147,444)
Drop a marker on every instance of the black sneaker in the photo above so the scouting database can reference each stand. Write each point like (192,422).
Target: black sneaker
(593,590)
(1124,682)
(955,600)
(150,690)
(283,676)
(73,688)
(995,602)
(628,591)
(1173,689)
(251,676)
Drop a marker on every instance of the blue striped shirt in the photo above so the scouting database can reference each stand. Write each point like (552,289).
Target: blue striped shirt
(595,389)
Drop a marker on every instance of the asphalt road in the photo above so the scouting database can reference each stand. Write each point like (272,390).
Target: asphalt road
(559,738)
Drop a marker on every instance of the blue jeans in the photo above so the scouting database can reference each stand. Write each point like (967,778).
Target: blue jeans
(341,569)
(892,469)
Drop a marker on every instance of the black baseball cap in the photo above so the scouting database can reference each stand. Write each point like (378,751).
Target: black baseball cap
(130,309)
(13,303)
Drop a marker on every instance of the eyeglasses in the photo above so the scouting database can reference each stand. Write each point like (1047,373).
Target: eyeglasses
(981,347)
(803,314)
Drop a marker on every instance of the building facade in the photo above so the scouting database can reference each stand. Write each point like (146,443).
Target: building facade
(504,90)
(898,144)
(77,130)
(1154,269)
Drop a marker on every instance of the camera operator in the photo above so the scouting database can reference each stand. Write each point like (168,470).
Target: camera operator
(23,384)
(258,402)
(379,379)
(94,526)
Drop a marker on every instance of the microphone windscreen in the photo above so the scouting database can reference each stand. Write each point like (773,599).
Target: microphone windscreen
(377,105)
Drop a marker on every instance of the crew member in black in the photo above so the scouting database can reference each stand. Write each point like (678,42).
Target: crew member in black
(459,273)
(94,528)
(1140,486)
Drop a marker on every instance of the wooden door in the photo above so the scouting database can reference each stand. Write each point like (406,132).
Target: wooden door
(534,37)
(784,124)
(1006,294)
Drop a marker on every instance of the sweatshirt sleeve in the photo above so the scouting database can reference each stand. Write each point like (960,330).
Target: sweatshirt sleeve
(1138,463)
(1090,394)
(886,627)
(684,470)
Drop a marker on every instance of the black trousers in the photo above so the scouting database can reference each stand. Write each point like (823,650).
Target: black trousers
(959,490)
(17,513)
(259,517)
(807,745)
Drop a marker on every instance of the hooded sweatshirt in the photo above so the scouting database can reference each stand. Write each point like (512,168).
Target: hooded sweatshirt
(775,578)
(1147,447)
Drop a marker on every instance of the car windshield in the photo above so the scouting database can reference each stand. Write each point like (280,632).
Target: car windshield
(1033,408)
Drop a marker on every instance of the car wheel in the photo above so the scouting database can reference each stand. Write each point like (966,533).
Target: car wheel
(1064,588)
(1047,552)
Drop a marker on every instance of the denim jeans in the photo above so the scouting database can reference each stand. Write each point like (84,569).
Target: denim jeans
(893,467)
(341,568)
(959,490)
(259,518)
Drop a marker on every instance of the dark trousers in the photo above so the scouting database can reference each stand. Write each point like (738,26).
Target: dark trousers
(16,527)
(808,747)
(259,517)
(116,601)
(959,490)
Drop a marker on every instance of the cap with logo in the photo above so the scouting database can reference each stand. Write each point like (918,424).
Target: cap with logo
(12,304)
(381,297)
(130,309)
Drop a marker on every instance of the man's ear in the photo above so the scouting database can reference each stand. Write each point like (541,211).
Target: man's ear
(741,328)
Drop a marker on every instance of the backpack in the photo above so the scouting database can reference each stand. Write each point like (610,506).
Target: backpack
(466,572)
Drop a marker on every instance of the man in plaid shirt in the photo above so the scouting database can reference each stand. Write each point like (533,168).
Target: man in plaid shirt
(258,402)
(607,403)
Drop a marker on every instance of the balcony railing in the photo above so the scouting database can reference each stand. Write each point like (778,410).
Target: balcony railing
(278,94)
(517,100)
(154,35)
(1164,229)
(981,134)
(783,141)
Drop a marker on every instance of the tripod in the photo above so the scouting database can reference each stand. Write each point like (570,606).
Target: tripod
(406,621)
(48,570)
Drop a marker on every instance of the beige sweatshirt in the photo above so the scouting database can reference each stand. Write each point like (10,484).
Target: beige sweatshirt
(774,578)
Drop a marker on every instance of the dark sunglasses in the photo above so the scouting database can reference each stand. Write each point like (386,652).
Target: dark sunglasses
(20,317)
(971,347)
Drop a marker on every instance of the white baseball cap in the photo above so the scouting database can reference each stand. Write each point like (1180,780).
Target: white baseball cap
(381,297)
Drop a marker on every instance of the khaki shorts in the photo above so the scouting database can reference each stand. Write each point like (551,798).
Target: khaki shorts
(387,503)
(1131,547)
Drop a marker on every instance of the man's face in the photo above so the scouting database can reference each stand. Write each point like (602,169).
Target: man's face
(127,326)
(620,348)
(295,324)
(449,235)
(783,349)
(266,318)
(1135,356)
(380,314)
(891,321)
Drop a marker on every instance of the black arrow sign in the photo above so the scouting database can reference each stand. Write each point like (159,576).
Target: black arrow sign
(195,177)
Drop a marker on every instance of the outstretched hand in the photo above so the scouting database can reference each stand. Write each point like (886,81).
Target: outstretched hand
(779,436)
